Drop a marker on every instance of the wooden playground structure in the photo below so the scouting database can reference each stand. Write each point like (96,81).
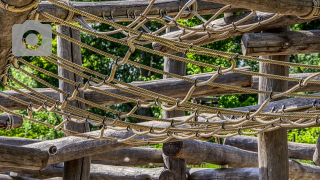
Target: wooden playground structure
(112,151)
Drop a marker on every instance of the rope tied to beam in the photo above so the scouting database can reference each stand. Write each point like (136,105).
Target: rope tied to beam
(315,10)
(11,8)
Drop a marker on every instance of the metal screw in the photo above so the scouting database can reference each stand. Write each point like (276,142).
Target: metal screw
(286,44)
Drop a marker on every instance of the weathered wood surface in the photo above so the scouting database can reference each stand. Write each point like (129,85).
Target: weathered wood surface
(175,165)
(273,145)
(295,150)
(316,155)
(16,122)
(220,24)
(284,43)
(133,156)
(98,172)
(119,8)
(7,20)
(164,87)
(297,171)
(77,168)
(288,7)
(136,156)
(212,153)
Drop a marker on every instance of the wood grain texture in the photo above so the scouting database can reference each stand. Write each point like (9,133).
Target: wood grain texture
(78,168)
(284,43)
(295,150)
(170,87)
(288,7)
(118,8)
(220,24)
(273,145)
(162,85)
(297,171)
(212,153)
(177,166)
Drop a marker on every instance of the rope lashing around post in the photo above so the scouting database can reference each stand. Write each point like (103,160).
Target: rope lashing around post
(315,10)
(204,121)
(12,8)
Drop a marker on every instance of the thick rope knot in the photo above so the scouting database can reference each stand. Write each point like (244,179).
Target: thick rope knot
(10,122)
(10,8)
(315,11)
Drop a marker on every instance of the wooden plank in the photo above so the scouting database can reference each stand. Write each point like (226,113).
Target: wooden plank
(273,145)
(221,23)
(295,150)
(78,168)
(9,121)
(169,87)
(288,7)
(119,9)
(284,43)
(176,165)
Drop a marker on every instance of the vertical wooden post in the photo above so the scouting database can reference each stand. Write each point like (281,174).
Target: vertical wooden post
(78,169)
(273,146)
(176,165)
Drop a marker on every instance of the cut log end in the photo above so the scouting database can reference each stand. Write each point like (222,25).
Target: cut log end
(173,149)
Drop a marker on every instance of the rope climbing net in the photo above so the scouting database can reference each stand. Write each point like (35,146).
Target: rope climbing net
(203,123)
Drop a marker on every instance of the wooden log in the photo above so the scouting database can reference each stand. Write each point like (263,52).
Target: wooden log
(273,145)
(78,168)
(100,172)
(132,156)
(136,156)
(220,24)
(295,150)
(7,20)
(119,9)
(8,121)
(164,87)
(284,43)
(223,173)
(298,170)
(212,153)
(288,7)
(175,165)
(316,155)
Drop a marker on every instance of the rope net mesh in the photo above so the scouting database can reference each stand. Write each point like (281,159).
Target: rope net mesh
(203,123)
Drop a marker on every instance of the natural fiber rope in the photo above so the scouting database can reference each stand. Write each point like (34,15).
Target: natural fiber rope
(217,124)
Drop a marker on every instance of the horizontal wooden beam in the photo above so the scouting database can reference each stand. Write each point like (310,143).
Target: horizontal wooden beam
(297,170)
(163,87)
(285,43)
(8,121)
(221,23)
(212,153)
(170,87)
(120,8)
(288,7)
(296,150)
